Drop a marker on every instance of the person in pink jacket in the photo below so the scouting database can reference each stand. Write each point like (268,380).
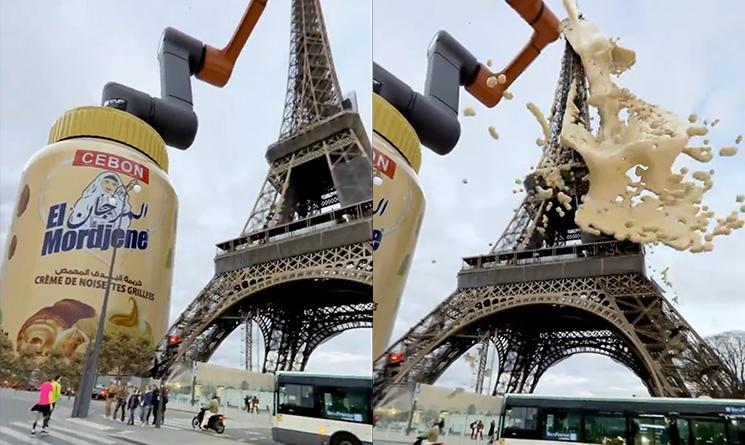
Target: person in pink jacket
(43,407)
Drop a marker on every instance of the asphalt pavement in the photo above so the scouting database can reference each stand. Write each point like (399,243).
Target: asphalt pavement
(16,420)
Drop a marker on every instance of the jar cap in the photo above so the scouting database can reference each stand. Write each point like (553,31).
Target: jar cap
(113,124)
(393,126)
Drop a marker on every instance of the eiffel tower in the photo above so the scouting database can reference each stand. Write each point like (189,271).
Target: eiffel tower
(547,291)
(301,268)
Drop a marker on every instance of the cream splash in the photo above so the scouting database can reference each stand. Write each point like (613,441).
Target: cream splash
(658,206)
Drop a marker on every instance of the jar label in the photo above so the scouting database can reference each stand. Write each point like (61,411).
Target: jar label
(81,204)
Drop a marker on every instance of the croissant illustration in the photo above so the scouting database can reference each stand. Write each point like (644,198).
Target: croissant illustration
(41,331)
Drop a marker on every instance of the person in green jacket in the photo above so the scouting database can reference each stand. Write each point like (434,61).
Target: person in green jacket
(54,396)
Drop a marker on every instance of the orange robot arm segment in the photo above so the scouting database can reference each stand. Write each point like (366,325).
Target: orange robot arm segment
(547,29)
(218,63)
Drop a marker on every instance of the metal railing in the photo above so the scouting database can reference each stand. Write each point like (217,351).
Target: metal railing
(335,217)
(552,254)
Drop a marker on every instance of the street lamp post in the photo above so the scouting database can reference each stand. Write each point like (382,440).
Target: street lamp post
(88,380)
(83,398)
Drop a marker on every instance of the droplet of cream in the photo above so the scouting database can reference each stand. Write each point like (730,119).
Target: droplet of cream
(488,62)
(491,81)
(507,95)
(493,133)
(502,79)
(469,111)
(728,151)
(692,118)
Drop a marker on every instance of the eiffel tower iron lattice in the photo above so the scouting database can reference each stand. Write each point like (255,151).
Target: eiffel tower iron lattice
(547,291)
(301,268)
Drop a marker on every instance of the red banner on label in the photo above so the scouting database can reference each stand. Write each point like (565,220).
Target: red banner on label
(384,164)
(108,161)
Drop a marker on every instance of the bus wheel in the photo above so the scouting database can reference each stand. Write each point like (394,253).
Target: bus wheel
(344,439)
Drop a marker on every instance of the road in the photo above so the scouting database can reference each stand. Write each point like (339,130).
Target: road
(16,420)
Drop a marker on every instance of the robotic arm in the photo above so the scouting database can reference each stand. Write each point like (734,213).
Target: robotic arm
(182,56)
(434,115)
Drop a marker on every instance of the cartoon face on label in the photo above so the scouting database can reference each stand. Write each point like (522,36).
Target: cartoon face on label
(104,201)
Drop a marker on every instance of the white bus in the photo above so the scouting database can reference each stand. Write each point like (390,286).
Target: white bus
(322,409)
(533,420)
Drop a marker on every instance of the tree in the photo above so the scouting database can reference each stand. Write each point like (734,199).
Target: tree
(730,347)
(6,357)
(125,354)
(245,386)
(70,369)
(24,366)
(471,409)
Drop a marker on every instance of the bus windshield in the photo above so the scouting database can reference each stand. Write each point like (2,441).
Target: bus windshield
(337,408)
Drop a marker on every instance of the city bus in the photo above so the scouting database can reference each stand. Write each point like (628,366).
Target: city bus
(532,419)
(322,409)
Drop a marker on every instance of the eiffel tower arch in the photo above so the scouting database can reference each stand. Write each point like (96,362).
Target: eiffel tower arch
(548,290)
(301,268)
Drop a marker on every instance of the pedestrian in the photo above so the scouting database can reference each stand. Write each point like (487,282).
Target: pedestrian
(155,401)
(256,405)
(132,404)
(69,393)
(43,407)
(480,430)
(163,405)
(492,427)
(247,405)
(473,429)
(56,395)
(111,394)
(147,406)
(121,401)
(433,434)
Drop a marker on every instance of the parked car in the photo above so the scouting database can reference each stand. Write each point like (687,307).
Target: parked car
(99,392)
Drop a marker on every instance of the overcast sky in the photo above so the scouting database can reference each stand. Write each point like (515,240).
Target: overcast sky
(689,60)
(58,55)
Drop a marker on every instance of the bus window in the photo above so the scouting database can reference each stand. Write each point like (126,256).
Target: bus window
(521,422)
(605,430)
(562,425)
(296,399)
(737,431)
(650,431)
(347,404)
(708,432)
(684,433)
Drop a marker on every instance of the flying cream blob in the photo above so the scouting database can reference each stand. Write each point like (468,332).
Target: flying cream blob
(658,206)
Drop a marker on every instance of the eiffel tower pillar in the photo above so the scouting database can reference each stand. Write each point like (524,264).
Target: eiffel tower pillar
(303,261)
(550,291)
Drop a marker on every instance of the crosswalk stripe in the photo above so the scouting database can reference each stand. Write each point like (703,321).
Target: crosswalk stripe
(55,433)
(25,438)
(2,442)
(84,434)
(89,424)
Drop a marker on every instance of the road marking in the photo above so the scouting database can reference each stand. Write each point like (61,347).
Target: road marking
(2,442)
(84,434)
(25,438)
(88,423)
(54,432)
